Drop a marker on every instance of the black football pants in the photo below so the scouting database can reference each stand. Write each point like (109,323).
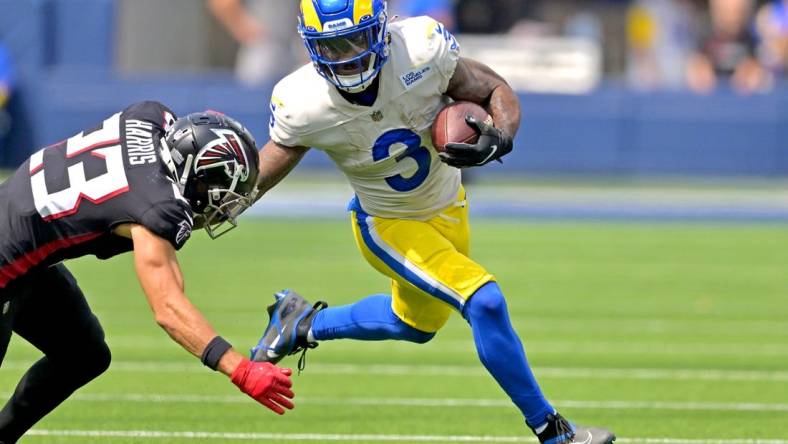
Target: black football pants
(47,308)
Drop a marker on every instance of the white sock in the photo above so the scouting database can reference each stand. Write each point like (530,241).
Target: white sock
(311,338)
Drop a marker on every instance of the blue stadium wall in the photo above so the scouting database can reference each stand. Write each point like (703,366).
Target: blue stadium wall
(63,51)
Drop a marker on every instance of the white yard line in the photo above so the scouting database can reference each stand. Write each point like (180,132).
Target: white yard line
(662,374)
(699,441)
(557,372)
(465,371)
(438,402)
(462,347)
(162,435)
(275,437)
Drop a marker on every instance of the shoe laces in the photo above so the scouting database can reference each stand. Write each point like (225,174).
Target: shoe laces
(305,345)
(559,430)
(302,358)
(563,427)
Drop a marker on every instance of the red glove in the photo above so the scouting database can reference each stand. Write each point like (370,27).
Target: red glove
(266,383)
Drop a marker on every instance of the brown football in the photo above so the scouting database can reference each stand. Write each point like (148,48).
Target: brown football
(450,125)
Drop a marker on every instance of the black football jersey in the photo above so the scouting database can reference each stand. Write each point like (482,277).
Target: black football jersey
(65,200)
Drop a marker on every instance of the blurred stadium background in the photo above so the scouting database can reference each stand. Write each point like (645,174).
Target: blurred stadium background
(657,92)
(636,113)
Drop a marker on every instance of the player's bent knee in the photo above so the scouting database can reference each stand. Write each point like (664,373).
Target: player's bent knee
(421,337)
(102,358)
(410,334)
(95,359)
(94,352)
(488,301)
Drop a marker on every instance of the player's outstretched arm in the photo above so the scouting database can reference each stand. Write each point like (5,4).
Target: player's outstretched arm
(475,82)
(276,162)
(161,279)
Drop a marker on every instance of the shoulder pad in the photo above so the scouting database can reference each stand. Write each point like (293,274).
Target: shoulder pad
(151,111)
(425,39)
(300,106)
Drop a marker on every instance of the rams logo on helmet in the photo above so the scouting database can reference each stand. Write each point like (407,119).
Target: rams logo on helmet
(346,40)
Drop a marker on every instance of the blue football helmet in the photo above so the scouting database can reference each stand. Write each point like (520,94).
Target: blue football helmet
(347,40)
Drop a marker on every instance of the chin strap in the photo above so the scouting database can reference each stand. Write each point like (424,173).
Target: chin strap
(362,86)
(185,174)
(170,158)
(165,153)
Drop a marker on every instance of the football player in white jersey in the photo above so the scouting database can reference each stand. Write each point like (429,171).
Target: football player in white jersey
(368,100)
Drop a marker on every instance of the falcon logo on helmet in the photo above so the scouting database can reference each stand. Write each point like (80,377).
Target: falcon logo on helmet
(213,160)
(227,152)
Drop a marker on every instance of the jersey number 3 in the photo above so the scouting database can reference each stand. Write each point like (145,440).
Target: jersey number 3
(414,151)
(104,144)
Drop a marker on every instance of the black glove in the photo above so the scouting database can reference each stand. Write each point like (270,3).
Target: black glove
(492,145)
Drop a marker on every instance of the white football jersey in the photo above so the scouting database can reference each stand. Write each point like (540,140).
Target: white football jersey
(385,150)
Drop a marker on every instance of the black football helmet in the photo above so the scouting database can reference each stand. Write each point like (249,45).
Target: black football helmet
(214,162)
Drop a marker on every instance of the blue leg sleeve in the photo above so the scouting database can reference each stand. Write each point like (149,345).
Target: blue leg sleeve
(370,319)
(502,353)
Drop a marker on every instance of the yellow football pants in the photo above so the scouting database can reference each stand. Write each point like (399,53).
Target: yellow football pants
(427,262)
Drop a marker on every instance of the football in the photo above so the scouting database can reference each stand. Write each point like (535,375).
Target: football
(450,125)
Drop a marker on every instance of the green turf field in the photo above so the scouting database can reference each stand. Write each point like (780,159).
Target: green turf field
(672,332)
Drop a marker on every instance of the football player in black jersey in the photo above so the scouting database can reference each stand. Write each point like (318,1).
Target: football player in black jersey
(140,181)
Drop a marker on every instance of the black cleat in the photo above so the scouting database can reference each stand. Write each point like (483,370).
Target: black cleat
(286,334)
(561,431)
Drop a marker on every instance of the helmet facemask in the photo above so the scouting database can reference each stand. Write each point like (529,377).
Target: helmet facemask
(350,58)
(216,188)
(222,209)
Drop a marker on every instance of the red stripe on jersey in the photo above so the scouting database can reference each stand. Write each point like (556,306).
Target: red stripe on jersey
(103,144)
(79,202)
(37,168)
(22,265)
